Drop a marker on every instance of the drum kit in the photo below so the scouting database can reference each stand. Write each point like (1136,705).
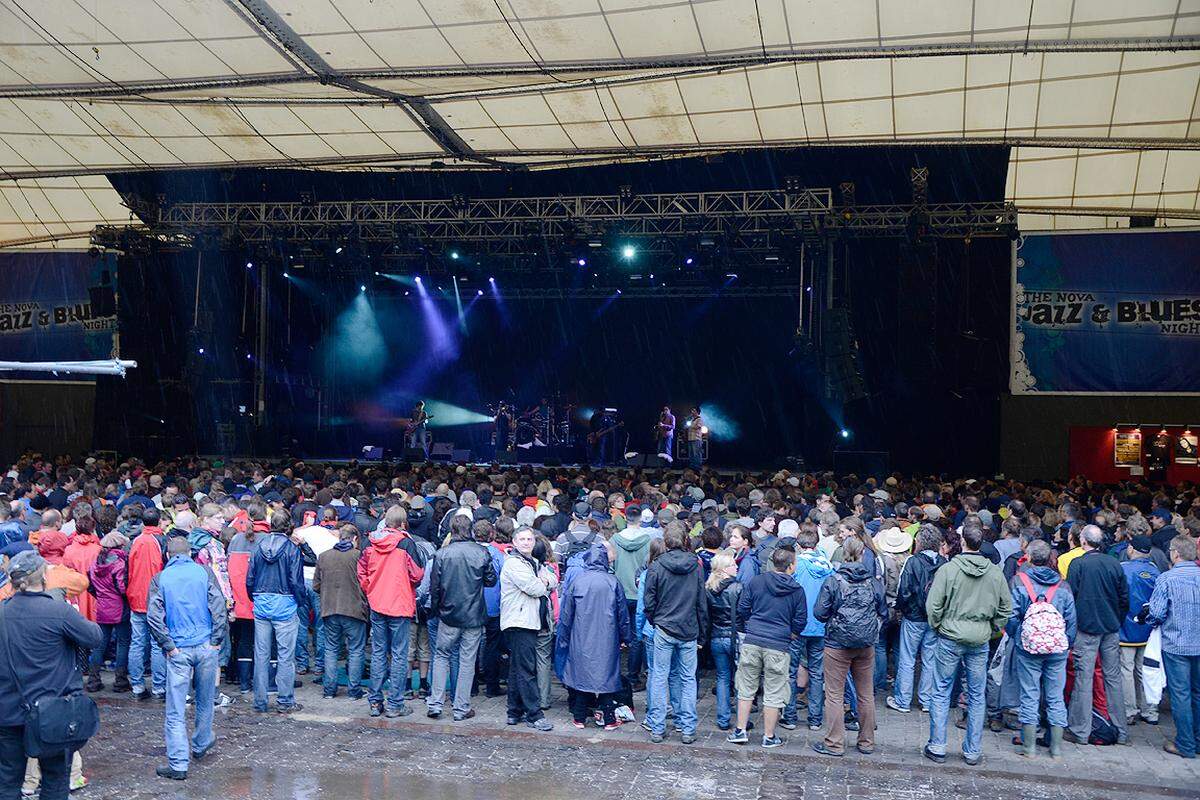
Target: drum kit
(547,424)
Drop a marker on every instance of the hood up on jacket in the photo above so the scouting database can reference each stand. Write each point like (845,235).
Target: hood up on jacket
(385,540)
(679,562)
(855,572)
(813,564)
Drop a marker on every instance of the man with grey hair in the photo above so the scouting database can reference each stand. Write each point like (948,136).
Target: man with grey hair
(1102,601)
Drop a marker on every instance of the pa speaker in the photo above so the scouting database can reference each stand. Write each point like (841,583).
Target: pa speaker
(414,454)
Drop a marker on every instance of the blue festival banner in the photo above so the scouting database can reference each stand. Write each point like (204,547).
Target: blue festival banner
(56,306)
(1107,313)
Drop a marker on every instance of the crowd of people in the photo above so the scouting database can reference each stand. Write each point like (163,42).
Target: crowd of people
(813,598)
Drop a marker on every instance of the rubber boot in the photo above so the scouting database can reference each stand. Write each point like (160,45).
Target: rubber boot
(121,682)
(94,684)
(1028,741)
(1056,740)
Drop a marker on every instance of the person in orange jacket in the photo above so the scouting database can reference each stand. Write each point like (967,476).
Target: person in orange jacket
(59,576)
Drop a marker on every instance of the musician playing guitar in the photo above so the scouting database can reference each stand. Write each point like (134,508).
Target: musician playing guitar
(416,433)
(664,433)
(602,440)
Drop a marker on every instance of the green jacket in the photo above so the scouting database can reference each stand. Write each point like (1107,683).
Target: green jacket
(632,548)
(969,601)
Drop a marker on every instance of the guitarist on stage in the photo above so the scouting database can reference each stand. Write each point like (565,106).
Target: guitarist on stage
(416,432)
(664,432)
(603,438)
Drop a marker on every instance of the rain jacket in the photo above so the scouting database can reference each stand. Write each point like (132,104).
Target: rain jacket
(593,624)
(106,582)
(812,568)
(632,547)
(80,554)
(1042,579)
(521,593)
(275,579)
(145,561)
(771,610)
(186,606)
(237,559)
(852,606)
(388,575)
(916,579)
(674,596)
(748,566)
(1141,575)
(969,601)
(461,570)
(722,608)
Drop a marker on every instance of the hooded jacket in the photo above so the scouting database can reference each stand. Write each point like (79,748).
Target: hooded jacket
(771,610)
(969,601)
(241,547)
(632,548)
(593,624)
(722,608)
(674,596)
(275,579)
(812,569)
(521,593)
(420,523)
(186,606)
(916,579)
(79,555)
(106,582)
(388,575)
(460,572)
(1042,578)
(852,605)
(145,561)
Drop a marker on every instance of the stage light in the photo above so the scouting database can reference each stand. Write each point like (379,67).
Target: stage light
(446,415)
(406,292)
(418,279)
(249,265)
(704,430)
(618,291)
(628,252)
(286,275)
(376,273)
(582,262)
(248,356)
(490,280)
(200,351)
(688,261)
(454,255)
(362,287)
(808,288)
(479,292)
(721,426)
(338,250)
(731,275)
(845,434)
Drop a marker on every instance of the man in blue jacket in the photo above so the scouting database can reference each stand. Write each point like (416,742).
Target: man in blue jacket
(808,649)
(187,617)
(1141,573)
(771,611)
(275,581)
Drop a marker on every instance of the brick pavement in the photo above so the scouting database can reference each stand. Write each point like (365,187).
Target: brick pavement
(333,746)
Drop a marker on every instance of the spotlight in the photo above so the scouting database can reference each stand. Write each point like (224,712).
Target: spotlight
(628,252)
(376,273)
(200,351)
(286,275)
(582,262)
(362,287)
(338,250)
(845,434)
(418,279)
(490,280)
(249,265)
(731,275)
(704,429)
(688,261)
(454,255)
(618,291)
(406,292)
(247,356)
(479,292)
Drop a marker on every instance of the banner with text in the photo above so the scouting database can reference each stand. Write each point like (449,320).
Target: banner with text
(1107,313)
(56,307)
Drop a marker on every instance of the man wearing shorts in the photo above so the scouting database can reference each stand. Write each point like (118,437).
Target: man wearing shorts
(770,612)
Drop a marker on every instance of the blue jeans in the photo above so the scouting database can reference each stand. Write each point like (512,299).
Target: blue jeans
(1183,686)
(881,657)
(318,633)
(1042,679)
(695,453)
(281,633)
(354,632)
(673,690)
(915,637)
(808,651)
(974,659)
(389,642)
(195,669)
(120,632)
(140,642)
(722,650)
(674,659)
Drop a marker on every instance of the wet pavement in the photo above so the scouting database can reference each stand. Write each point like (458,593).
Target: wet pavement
(332,749)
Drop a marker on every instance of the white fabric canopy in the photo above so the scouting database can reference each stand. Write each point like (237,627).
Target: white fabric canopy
(1098,97)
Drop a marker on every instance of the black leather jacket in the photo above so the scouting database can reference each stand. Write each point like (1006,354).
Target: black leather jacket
(460,572)
(722,608)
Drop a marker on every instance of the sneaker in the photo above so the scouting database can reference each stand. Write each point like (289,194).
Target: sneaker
(377,709)
(172,774)
(813,727)
(433,713)
(393,713)
(820,749)
(612,726)
(771,741)
(598,718)
(140,693)
(646,726)
(852,725)
(894,706)
(688,738)
(737,736)
(937,758)
(200,755)
(293,708)
(787,726)
(542,724)
(1148,720)
(328,695)
(656,738)
(28,792)
(578,724)
(973,761)
(222,700)
(461,716)
(76,785)
(725,727)
(512,721)
(354,694)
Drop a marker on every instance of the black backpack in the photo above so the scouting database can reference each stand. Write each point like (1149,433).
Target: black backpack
(856,619)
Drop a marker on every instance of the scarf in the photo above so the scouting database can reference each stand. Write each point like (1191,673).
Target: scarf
(343,545)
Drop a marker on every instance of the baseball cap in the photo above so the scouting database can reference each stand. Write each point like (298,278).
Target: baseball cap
(25,563)
(1142,543)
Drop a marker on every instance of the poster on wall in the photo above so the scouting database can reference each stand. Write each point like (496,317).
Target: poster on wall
(1106,313)
(1127,449)
(56,306)
(1185,448)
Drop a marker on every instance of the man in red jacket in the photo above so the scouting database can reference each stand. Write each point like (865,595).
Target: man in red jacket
(145,561)
(389,571)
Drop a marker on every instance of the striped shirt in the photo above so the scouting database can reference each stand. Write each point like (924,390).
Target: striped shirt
(1175,608)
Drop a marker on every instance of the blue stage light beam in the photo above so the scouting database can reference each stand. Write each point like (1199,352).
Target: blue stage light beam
(446,415)
(721,426)
(356,351)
